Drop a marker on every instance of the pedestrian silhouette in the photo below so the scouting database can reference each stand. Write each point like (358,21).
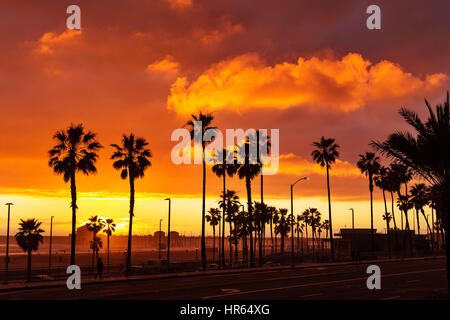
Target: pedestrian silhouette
(99,269)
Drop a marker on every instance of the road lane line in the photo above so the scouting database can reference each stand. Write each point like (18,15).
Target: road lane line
(319,283)
(312,295)
(391,298)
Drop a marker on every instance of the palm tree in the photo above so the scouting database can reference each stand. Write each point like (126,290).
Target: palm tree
(326,226)
(75,151)
(198,127)
(230,201)
(95,244)
(263,143)
(222,169)
(275,220)
(109,229)
(419,197)
(282,228)
(299,229)
(306,219)
(214,219)
(382,182)
(248,170)
(94,225)
(326,154)
(369,165)
(132,159)
(28,238)
(314,217)
(271,212)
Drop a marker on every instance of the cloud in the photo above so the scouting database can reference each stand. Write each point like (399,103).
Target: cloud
(166,65)
(225,29)
(50,40)
(246,82)
(293,164)
(180,4)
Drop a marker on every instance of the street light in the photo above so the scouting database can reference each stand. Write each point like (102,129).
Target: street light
(292,218)
(50,249)
(353,219)
(159,250)
(168,237)
(7,242)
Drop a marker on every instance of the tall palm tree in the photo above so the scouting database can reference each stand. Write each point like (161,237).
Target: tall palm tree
(314,217)
(132,158)
(427,152)
(263,146)
(75,151)
(306,216)
(326,153)
(369,165)
(382,181)
(196,131)
(248,170)
(95,225)
(226,167)
(275,220)
(28,238)
(109,229)
(213,217)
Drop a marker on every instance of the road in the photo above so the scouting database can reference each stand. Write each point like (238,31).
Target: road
(416,279)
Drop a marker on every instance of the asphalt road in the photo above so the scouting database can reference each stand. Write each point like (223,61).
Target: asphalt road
(418,279)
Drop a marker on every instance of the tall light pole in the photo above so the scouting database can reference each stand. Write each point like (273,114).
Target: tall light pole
(50,249)
(159,249)
(292,218)
(353,219)
(7,242)
(168,237)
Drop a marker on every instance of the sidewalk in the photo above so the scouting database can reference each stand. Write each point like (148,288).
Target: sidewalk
(14,286)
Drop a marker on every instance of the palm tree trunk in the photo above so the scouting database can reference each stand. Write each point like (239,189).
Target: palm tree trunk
(203,245)
(387,223)
(130,227)
(329,213)
(393,218)
(73,192)
(428,227)
(372,240)
(250,218)
(93,251)
(223,216)
(271,234)
(418,223)
(262,221)
(107,258)
(29,266)
(214,243)
(231,244)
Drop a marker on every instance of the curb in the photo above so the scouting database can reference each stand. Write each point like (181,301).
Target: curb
(61,283)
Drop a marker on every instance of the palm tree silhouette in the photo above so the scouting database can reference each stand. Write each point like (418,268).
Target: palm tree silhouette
(95,225)
(28,238)
(205,125)
(305,218)
(230,201)
(248,170)
(326,154)
(419,197)
(213,217)
(75,151)
(226,167)
(109,229)
(369,165)
(282,228)
(381,180)
(299,229)
(132,158)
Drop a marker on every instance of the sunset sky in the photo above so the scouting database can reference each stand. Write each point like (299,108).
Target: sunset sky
(307,68)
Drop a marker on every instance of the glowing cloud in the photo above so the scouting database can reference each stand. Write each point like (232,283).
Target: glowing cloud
(180,4)
(49,40)
(245,82)
(167,65)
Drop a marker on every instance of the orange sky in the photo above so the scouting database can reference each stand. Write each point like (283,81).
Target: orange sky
(144,66)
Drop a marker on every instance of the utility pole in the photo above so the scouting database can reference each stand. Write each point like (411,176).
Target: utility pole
(168,237)
(7,242)
(50,249)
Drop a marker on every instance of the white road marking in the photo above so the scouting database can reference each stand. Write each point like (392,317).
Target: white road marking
(391,298)
(320,283)
(312,295)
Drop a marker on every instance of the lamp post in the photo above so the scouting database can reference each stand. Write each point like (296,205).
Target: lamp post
(353,219)
(168,237)
(159,249)
(7,242)
(292,218)
(50,249)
